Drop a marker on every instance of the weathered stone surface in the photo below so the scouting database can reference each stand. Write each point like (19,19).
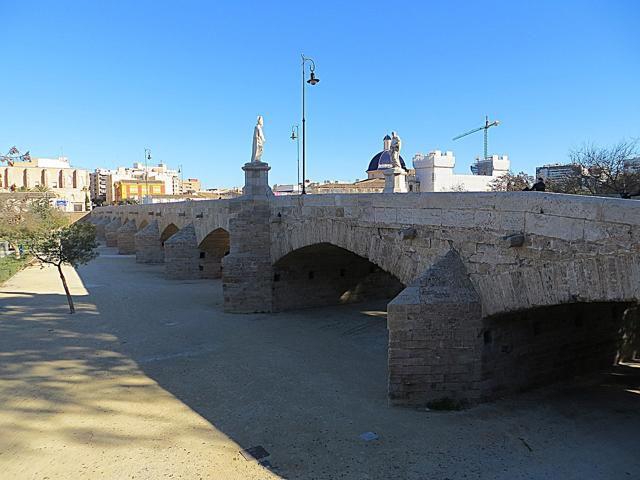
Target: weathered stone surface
(149,248)
(248,272)
(126,240)
(521,252)
(434,325)
(100,224)
(111,232)
(212,250)
(181,255)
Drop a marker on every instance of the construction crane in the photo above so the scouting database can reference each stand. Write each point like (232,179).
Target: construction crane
(486,128)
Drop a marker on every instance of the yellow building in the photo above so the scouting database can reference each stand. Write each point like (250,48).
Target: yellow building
(137,189)
(190,185)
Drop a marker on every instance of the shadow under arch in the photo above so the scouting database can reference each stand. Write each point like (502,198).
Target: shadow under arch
(446,349)
(213,247)
(168,232)
(382,249)
(530,348)
(325,274)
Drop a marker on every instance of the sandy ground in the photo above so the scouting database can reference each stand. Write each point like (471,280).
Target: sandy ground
(150,379)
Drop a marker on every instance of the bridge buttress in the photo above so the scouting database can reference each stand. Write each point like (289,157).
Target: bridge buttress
(247,280)
(126,239)
(435,337)
(149,247)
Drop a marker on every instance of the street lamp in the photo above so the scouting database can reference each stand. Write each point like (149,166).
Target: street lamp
(312,81)
(147,156)
(295,135)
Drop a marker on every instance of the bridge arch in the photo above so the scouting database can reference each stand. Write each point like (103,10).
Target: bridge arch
(212,248)
(492,336)
(382,247)
(326,274)
(168,232)
(602,279)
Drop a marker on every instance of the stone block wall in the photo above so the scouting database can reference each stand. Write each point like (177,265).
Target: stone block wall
(512,252)
(544,345)
(100,223)
(148,246)
(126,238)
(435,338)
(212,249)
(182,256)
(111,232)
(328,275)
(630,342)
(248,273)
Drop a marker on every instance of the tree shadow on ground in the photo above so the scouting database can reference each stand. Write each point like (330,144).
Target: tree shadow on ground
(302,384)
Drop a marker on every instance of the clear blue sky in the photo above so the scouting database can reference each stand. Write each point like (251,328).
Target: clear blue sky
(104,79)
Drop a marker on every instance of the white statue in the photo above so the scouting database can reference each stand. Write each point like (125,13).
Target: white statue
(396,145)
(258,141)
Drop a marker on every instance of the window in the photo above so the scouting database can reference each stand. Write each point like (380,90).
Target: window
(77,207)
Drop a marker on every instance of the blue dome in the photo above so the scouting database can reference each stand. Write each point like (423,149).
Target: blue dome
(382,161)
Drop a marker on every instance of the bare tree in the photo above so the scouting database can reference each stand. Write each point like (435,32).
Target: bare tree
(571,183)
(608,170)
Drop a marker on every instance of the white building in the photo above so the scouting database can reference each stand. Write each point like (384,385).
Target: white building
(558,171)
(434,171)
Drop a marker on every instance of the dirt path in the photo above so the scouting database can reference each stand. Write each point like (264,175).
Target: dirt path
(150,379)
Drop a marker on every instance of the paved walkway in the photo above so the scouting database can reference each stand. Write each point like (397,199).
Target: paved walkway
(150,379)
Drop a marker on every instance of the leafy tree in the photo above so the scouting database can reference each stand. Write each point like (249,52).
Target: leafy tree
(27,215)
(99,201)
(31,221)
(510,182)
(73,245)
(607,170)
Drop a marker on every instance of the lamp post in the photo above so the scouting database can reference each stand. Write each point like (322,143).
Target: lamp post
(295,135)
(147,156)
(312,81)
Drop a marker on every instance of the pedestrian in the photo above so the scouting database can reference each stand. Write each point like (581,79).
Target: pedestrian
(539,186)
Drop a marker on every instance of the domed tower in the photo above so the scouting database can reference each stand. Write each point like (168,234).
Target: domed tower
(381,161)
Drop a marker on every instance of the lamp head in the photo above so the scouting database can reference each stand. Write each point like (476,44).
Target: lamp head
(312,79)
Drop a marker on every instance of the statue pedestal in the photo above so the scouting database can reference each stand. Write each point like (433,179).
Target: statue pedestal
(256,179)
(395,180)
(247,271)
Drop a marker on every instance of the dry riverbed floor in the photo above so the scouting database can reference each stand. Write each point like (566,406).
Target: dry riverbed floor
(151,380)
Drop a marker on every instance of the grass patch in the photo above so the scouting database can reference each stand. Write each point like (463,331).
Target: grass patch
(10,265)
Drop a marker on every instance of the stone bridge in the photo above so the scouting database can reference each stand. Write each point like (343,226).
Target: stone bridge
(489,293)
